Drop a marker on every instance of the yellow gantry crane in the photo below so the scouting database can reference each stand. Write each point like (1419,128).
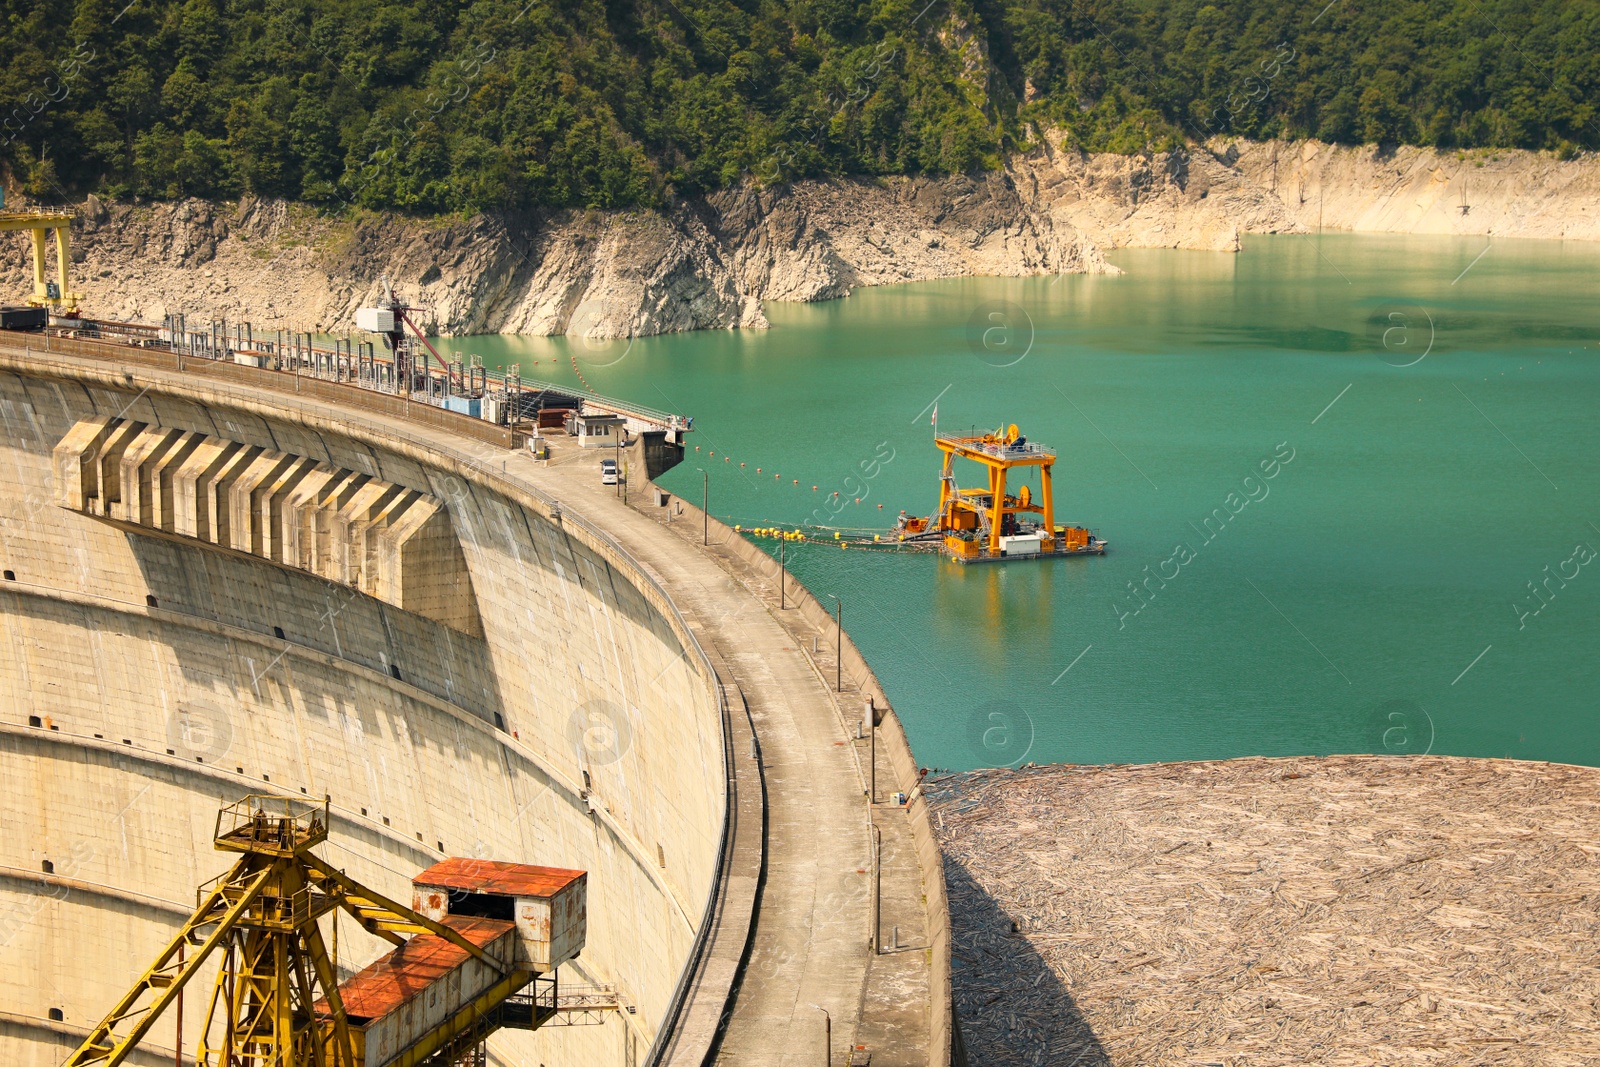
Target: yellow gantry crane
(56,295)
(276,1000)
(989,524)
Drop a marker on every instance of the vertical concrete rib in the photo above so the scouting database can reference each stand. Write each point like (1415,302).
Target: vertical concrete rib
(162,480)
(244,529)
(221,489)
(335,496)
(270,509)
(192,483)
(299,509)
(74,465)
(138,468)
(109,465)
(351,521)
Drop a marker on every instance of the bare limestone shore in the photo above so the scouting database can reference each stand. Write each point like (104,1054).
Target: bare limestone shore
(1353,910)
(709,263)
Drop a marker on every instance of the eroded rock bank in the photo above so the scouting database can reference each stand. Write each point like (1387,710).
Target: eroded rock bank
(708,263)
(1206,196)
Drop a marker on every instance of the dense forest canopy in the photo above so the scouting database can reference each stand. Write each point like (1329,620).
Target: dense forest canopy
(437,105)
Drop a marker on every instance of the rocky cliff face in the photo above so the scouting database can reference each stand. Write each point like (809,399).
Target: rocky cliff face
(710,262)
(706,263)
(1207,196)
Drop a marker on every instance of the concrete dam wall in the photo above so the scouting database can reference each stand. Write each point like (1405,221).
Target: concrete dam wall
(561,714)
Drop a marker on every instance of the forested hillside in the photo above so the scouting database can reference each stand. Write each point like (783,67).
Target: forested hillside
(433,106)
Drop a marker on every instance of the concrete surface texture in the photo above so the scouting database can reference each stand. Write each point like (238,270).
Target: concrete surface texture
(144,677)
(812,971)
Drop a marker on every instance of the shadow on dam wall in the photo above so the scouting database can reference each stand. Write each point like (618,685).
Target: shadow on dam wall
(143,677)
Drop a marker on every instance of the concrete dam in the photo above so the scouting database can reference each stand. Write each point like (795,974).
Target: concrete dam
(221,581)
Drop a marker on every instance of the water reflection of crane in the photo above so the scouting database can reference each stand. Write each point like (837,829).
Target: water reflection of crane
(995,611)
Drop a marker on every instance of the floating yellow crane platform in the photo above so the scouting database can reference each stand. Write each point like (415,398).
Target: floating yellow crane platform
(989,524)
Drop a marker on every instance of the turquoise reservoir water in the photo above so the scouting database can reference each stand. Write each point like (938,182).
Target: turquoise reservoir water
(1350,486)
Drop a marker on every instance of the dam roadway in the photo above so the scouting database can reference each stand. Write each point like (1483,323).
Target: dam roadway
(616,697)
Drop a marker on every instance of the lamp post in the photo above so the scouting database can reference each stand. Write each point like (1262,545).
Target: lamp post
(705,507)
(838,644)
(877,888)
(783,578)
(618,462)
(827,1036)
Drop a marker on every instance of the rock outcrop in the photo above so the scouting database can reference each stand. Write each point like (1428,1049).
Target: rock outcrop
(1206,196)
(706,263)
(709,263)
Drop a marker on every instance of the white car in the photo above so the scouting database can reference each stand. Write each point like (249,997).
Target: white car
(608,472)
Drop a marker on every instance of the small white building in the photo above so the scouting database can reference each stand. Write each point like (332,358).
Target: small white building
(598,431)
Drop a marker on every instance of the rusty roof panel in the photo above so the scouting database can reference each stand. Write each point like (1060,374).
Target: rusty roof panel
(505,879)
(391,981)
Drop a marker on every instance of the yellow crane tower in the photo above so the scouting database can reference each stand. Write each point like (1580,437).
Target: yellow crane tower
(56,295)
(459,971)
(990,524)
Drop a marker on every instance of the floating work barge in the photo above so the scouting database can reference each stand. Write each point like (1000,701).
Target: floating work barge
(990,525)
(987,525)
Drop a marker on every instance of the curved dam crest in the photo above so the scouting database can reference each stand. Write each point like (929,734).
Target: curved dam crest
(152,675)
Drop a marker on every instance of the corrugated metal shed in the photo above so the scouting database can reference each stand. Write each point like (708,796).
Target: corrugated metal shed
(503,879)
(390,982)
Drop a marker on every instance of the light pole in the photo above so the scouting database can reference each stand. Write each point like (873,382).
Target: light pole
(705,507)
(783,578)
(838,645)
(618,462)
(827,1036)
(877,888)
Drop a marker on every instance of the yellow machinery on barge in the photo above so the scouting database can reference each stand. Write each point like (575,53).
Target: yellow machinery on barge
(990,524)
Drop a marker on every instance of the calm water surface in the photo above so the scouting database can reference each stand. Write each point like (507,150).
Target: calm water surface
(1415,575)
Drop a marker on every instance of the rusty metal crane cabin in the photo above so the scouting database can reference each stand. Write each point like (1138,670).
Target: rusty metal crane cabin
(452,980)
(56,295)
(990,524)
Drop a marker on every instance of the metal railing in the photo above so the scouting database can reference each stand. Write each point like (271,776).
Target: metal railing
(344,394)
(998,449)
(347,362)
(279,823)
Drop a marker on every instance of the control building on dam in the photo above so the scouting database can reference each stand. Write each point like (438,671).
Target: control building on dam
(221,582)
